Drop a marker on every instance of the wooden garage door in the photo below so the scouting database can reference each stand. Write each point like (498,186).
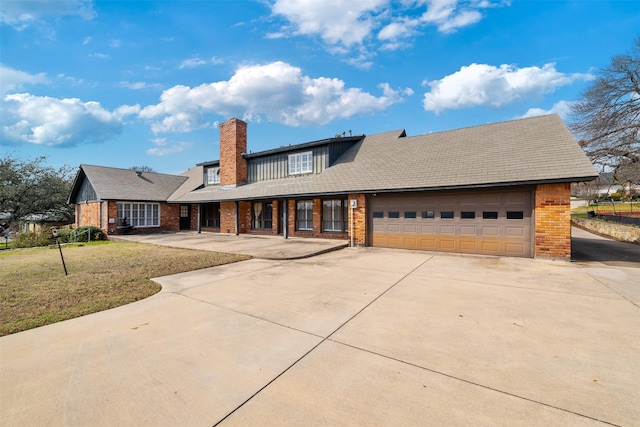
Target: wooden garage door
(491,223)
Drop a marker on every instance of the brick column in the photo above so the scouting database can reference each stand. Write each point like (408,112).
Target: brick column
(359,220)
(553,221)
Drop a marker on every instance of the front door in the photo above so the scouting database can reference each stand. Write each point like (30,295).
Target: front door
(185,217)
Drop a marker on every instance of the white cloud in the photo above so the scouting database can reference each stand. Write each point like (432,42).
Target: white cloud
(350,24)
(164,150)
(277,92)
(343,22)
(561,108)
(139,85)
(197,62)
(12,79)
(50,121)
(482,84)
(22,14)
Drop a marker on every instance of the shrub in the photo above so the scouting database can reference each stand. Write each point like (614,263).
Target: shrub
(83,234)
(31,239)
(616,196)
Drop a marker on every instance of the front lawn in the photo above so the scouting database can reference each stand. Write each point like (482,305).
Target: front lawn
(34,290)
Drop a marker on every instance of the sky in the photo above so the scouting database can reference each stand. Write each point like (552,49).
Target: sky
(147,83)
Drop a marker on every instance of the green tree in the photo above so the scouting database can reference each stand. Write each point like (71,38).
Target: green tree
(606,119)
(29,187)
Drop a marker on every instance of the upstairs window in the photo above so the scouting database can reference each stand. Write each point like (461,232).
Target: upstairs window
(213,176)
(300,163)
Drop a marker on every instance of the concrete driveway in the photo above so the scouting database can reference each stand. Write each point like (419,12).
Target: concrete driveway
(353,337)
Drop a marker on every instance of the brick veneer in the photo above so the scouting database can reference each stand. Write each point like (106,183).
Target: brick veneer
(233,142)
(553,221)
(88,214)
(359,220)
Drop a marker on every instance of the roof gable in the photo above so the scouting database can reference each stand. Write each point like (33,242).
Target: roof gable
(125,184)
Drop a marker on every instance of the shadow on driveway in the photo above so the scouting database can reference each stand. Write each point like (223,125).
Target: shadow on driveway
(589,247)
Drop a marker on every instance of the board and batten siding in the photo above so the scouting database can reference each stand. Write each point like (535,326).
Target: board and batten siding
(87,193)
(275,166)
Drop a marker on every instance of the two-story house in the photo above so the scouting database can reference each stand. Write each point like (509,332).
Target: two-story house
(497,189)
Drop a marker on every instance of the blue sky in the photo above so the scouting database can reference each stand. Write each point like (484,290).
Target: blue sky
(130,83)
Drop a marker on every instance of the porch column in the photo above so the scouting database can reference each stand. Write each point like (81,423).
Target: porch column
(236,219)
(199,226)
(285,218)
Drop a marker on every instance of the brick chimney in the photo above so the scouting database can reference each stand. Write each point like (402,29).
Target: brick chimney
(233,142)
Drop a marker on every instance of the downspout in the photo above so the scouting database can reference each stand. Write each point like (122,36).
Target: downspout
(236,218)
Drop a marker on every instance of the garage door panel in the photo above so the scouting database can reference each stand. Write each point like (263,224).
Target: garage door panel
(416,222)
(468,246)
(467,230)
(428,229)
(410,228)
(490,231)
(447,229)
(515,231)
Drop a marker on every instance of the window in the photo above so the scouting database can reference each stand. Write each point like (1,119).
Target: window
(335,215)
(304,215)
(213,176)
(300,163)
(428,214)
(210,215)
(410,215)
(515,215)
(394,214)
(467,215)
(378,214)
(262,216)
(446,215)
(490,215)
(138,214)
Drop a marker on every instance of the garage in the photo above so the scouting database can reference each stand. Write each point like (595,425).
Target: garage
(482,222)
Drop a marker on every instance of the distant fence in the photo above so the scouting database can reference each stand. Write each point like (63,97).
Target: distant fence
(621,218)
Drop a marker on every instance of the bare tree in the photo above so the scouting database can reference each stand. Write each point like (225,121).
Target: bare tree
(607,117)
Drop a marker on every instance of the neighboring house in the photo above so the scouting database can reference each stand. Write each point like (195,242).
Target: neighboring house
(35,223)
(498,189)
(605,185)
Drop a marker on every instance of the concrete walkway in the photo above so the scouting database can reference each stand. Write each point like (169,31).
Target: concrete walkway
(264,247)
(353,337)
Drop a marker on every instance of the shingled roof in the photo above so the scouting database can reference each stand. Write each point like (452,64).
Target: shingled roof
(126,184)
(518,152)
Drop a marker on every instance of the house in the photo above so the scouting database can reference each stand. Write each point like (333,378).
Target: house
(498,189)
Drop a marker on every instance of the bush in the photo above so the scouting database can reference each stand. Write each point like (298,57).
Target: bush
(81,234)
(616,196)
(30,239)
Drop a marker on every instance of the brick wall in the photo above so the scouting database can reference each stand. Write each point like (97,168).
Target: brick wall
(553,221)
(88,214)
(359,220)
(169,219)
(227,217)
(233,142)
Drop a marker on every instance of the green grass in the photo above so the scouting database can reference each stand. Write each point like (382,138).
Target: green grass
(609,207)
(34,290)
